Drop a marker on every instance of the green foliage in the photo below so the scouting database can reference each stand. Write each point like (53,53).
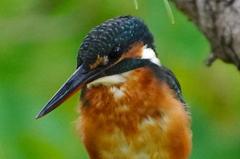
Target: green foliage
(39,44)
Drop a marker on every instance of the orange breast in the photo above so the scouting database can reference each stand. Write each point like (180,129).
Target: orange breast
(137,119)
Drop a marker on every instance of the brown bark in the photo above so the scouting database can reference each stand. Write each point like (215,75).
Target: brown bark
(219,20)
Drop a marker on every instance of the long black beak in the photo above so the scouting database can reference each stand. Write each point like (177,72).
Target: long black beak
(78,80)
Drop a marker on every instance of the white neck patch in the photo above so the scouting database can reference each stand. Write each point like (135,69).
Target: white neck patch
(148,53)
(109,80)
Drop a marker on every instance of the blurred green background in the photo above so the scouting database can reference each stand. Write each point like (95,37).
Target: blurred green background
(39,40)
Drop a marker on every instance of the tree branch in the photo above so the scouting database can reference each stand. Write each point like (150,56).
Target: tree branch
(219,21)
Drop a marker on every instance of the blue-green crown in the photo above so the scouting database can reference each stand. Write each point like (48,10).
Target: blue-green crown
(121,32)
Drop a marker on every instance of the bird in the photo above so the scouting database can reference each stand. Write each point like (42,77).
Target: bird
(131,106)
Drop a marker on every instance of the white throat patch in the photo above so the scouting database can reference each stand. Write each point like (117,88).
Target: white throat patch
(148,53)
(109,80)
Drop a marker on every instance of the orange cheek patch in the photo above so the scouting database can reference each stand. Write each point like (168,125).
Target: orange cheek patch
(97,62)
(135,51)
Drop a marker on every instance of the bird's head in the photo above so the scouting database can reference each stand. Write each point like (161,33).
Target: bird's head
(114,47)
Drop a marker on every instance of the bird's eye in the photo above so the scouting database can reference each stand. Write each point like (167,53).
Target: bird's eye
(116,53)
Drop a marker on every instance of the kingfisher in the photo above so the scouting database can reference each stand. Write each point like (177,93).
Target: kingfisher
(131,106)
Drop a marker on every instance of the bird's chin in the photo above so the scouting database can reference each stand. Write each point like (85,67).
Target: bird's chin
(109,80)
